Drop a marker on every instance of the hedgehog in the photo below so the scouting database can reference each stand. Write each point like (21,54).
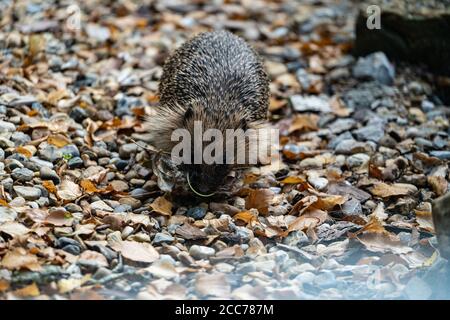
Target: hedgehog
(216,78)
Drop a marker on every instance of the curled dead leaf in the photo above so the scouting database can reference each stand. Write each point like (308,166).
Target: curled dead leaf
(136,251)
(19,258)
(245,216)
(385,190)
(29,291)
(162,206)
(259,199)
(58,140)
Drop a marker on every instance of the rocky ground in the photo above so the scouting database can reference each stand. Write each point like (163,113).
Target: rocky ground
(346,214)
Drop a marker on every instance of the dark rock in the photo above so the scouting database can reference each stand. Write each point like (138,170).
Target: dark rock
(196,213)
(48,174)
(78,114)
(75,162)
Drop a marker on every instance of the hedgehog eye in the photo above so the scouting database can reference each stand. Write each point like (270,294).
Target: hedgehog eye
(189,114)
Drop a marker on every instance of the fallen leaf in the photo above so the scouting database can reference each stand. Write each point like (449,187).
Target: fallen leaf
(4,285)
(329,202)
(303,204)
(14,229)
(136,251)
(24,151)
(308,220)
(68,190)
(57,217)
(27,292)
(68,285)
(50,186)
(377,239)
(58,140)
(245,216)
(425,220)
(259,199)
(93,256)
(215,285)
(304,122)
(379,212)
(439,184)
(4,203)
(162,206)
(293,180)
(57,95)
(385,190)
(190,232)
(19,258)
(163,269)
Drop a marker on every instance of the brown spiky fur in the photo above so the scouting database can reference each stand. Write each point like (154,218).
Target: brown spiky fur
(215,77)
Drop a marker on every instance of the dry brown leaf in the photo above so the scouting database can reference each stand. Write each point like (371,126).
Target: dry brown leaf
(276,104)
(68,285)
(304,122)
(245,216)
(24,151)
(259,199)
(385,190)
(293,180)
(377,239)
(162,206)
(14,229)
(379,213)
(308,220)
(27,292)
(329,202)
(93,256)
(439,184)
(190,232)
(303,204)
(68,190)
(58,140)
(425,220)
(136,251)
(19,258)
(57,217)
(50,186)
(4,203)
(90,188)
(4,285)
(338,107)
(57,95)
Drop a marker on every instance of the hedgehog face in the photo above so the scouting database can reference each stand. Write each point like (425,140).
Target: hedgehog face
(204,179)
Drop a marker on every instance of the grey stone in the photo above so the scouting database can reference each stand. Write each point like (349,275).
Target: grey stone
(325,279)
(296,238)
(126,150)
(310,103)
(47,173)
(201,252)
(22,174)
(7,126)
(352,207)
(28,193)
(372,132)
(352,147)
(375,66)
(161,237)
(443,155)
(357,160)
